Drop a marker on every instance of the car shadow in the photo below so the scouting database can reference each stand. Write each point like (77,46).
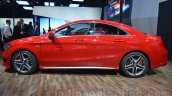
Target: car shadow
(151,72)
(83,71)
(79,71)
(10,70)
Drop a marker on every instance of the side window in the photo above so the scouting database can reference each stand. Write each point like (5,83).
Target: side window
(74,29)
(121,32)
(104,29)
(61,32)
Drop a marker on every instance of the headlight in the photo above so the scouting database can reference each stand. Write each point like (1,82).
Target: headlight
(7,46)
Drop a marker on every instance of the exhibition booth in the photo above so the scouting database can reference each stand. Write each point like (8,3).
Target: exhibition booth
(150,19)
(85,47)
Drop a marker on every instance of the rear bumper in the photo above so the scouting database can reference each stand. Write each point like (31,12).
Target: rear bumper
(159,57)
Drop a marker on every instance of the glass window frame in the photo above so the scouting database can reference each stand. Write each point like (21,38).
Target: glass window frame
(70,25)
(94,24)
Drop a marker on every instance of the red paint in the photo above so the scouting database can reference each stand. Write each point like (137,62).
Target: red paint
(87,51)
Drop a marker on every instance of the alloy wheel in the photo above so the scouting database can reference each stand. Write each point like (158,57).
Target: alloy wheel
(135,65)
(23,62)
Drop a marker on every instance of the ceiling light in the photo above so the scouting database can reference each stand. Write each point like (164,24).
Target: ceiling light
(7,1)
(78,0)
(27,8)
(74,5)
(47,3)
(52,4)
(22,2)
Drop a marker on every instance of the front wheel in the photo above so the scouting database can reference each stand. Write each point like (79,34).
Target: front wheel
(134,64)
(24,62)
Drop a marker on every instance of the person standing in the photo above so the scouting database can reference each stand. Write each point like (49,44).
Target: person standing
(44,31)
(30,29)
(1,39)
(36,29)
(24,29)
(17,30)
(7,32)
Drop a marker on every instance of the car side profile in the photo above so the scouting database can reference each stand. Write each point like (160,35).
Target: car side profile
(87,44)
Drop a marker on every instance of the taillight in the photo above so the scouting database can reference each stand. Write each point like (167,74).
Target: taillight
(157,39)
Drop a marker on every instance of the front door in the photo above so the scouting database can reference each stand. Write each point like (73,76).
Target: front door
(68,48)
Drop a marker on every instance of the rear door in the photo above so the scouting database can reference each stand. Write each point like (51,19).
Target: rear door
(105,45)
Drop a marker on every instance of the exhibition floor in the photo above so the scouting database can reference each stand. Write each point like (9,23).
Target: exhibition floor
(86,83)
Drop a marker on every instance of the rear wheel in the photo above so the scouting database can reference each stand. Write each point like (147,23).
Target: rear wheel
(24,62)
(134,64)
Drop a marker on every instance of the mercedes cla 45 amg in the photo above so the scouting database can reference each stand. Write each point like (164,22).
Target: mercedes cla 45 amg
(87,44)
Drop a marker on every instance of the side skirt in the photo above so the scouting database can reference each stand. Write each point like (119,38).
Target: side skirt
(110,68)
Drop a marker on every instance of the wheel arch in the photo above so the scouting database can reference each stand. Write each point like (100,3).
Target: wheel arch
(149,63)
(23,50)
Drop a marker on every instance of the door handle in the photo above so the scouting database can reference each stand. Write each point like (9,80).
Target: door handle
(79,40)
(118,40)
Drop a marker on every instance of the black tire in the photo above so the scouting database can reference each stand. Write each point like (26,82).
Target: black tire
(24,62)
(134,65)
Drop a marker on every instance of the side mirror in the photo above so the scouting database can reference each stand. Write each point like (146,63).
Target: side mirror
(51,36)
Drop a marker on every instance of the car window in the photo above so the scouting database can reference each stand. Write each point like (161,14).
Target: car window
(104,29)
(121,32)
(74,29)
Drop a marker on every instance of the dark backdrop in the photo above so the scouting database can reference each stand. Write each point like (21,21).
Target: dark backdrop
(165,25)
(8,9)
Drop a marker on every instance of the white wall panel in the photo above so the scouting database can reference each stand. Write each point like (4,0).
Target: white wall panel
(144,15)
(68,13)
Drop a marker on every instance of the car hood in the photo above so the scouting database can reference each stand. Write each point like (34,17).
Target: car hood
(34,39)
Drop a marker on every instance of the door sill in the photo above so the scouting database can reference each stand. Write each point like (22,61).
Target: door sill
(77,68)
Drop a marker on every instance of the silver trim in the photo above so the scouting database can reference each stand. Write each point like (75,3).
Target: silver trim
(94,24)
(77,68)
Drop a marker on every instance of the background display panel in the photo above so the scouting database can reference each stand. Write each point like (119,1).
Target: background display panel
(113,10)
(54,23)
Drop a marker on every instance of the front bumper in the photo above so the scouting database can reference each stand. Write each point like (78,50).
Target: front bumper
(6,59)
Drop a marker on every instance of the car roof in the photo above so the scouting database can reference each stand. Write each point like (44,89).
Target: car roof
(96,21)
(124,27)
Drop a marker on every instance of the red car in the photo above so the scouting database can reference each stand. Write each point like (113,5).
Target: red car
(87,44)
